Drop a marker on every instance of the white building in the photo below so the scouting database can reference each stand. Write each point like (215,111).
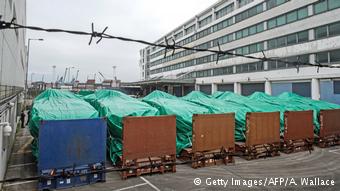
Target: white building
(12,74)
(296,30)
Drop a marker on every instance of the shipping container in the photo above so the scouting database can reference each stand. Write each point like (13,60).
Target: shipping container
(71,153)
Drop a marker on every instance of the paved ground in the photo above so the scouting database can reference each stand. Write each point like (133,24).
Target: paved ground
(321,163)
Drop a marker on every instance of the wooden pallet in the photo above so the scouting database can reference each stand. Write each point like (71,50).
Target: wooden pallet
(150,165)
(293,146)
(208,158)
(329,141)
(258,151)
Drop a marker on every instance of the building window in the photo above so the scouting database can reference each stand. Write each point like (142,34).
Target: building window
(178,35)
(281,42)
(291,17)
(238,34)
(333,4)
(287,18)
(205,21)
(274,3)
(220,13)
(334,56)
(302,13)
(223,71)
(272,44)
(334,29)
(281,20)
(249,31)
(321,32)
(322,57)
(320,7)
(251,67)
(259,27)
(336,85)
(288,40)
(252,30)
(303,58)
(302,36)
(291,39)
(272,23)
(190,29)
(249,13)
(302,88)
(244,2)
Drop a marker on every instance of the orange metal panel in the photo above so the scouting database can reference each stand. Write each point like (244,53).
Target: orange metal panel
(298,125)
(262,128)
(329,122)
(213,131)
(145,137)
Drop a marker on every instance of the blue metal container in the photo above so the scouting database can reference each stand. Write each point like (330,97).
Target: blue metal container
(71,152)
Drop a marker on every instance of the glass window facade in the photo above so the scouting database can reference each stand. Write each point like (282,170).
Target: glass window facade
(249,13)
(220,13)
(288,18)
(274,3)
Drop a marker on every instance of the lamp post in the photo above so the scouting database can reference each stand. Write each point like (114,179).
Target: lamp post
(28,56)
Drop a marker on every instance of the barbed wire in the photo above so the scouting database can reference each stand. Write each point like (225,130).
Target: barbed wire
(171,47)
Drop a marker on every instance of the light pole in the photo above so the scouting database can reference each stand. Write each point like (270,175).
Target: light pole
(32,77)
(28,56)
(114,72)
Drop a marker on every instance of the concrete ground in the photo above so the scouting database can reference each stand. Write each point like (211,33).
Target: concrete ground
(321,163)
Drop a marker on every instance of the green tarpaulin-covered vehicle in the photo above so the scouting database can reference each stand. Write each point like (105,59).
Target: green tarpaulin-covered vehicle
(222,106)
(115,105)
(171,105)
(287,105)
(255,106)
(55,104)
(314,105)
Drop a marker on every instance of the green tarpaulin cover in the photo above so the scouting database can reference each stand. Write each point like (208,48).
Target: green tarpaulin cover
(222,106)
(85,92)
(115,105)
(255,106)
(57,105)
(321,105)
(314,105)
(287,105)
(171,105)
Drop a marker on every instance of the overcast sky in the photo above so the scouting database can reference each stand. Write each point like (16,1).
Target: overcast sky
(140,19)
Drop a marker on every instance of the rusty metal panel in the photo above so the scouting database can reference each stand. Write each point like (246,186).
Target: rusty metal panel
(298,125)
(329,122)
(262,128)
(213,131)
(145,137)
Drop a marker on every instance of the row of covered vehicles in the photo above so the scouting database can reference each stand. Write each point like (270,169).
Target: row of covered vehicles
(145,135)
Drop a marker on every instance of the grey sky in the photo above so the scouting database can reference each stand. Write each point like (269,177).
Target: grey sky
(141,19)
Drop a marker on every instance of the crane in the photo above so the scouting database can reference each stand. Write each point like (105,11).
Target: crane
(65,75)
(77,75)
(102,75)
